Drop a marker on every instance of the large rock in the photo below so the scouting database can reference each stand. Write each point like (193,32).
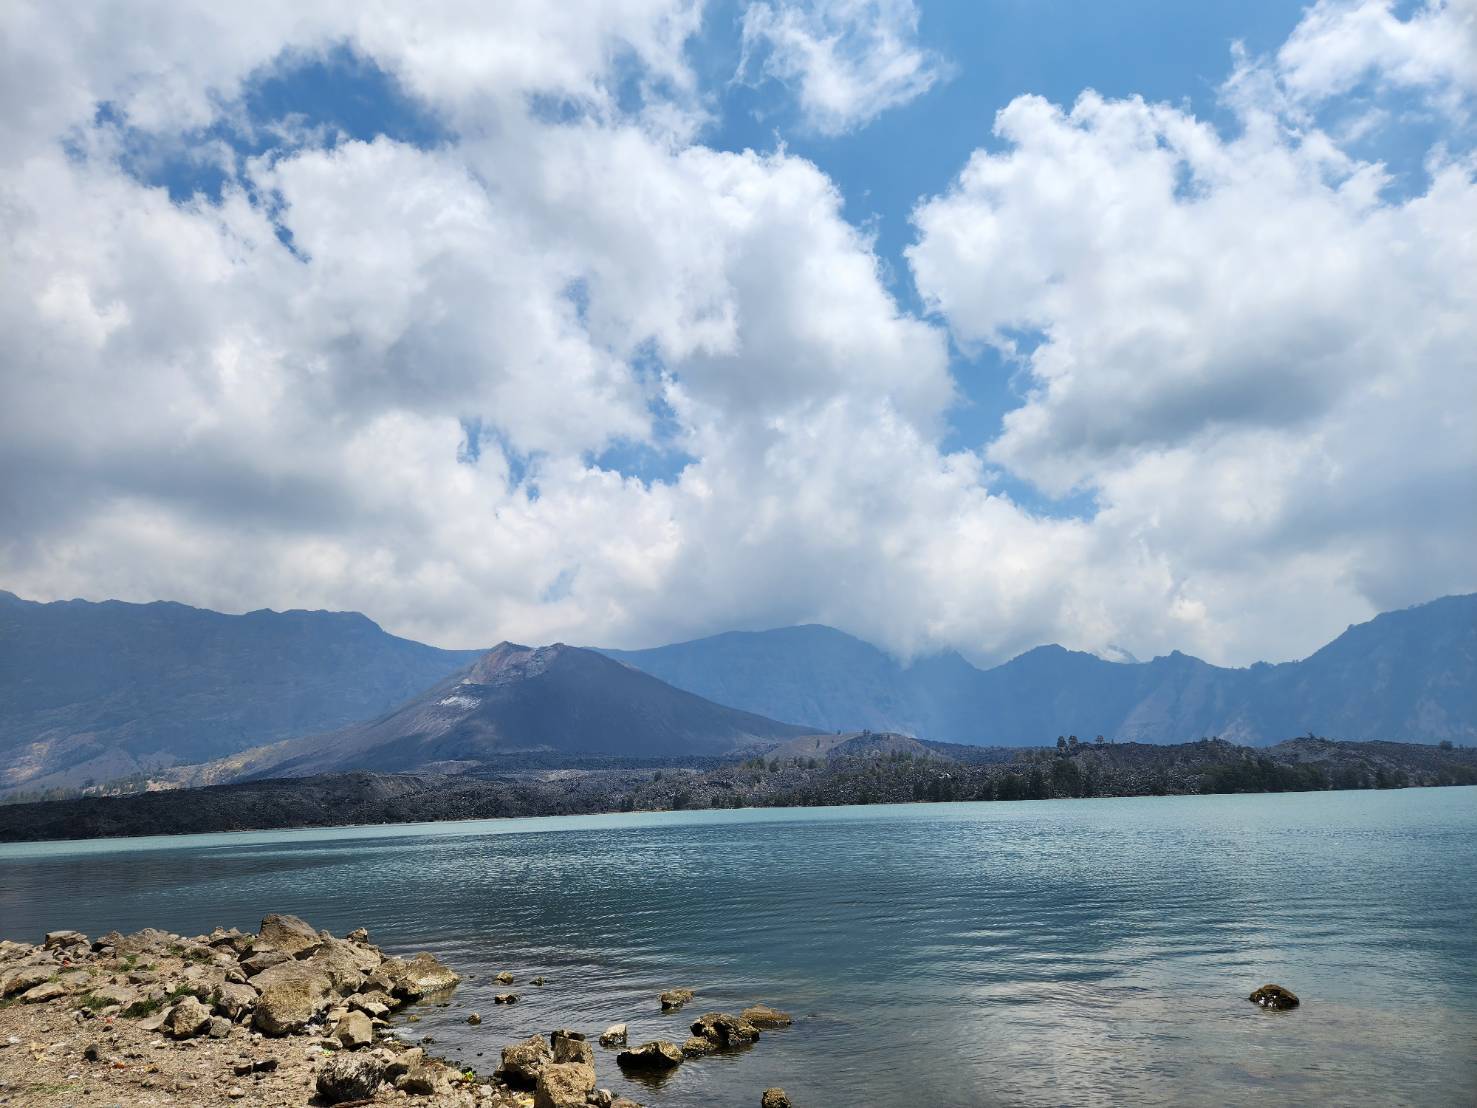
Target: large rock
(289,934)
(47,990)
(696,1046)
(724,1030)
(1274,996)
(62,940)
(655,1055)
(765,1018)
(405,1061)
(292,993)
(263,959)
(774,1098)
(354,1031)
(564,1084)
(415,978)
(187,1019)
(673,999)
(569,1049)
(522,1062)
(235,1000)
(432,1079)
(27,977)
(350,1077)
(341,964)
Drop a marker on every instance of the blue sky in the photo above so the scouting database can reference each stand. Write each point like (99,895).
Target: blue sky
(487,323)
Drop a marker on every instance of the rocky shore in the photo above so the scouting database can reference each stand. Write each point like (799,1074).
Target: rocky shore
(289,1015)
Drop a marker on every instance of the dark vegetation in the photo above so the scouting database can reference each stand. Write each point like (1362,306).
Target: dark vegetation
(864,768)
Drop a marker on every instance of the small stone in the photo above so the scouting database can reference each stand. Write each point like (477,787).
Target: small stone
(220,1027)
(475,1018)
(505,998)
(774,1098)
(673,999)
(538,981)
(505,978)
(614,1035)
(235,1092)
(358,935)
(92,1052)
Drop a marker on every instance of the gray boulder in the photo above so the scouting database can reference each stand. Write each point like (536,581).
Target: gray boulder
(289,934)
(564,1085)
(292,993)
(350,1077)
(187,1019)
(522,1062)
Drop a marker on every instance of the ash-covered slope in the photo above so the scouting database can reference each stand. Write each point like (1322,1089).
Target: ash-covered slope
(515,698)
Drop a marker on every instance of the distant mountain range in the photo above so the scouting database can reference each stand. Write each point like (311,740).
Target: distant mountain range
(1406,676)
(515,699)
(97,691)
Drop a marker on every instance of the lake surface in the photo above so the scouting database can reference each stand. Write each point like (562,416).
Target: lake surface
(1056,952)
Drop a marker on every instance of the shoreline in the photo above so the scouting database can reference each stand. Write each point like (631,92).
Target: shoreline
(619,814)
(861,769)
(291,1015)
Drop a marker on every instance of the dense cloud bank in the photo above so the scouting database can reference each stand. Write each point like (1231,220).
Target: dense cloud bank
(397,375)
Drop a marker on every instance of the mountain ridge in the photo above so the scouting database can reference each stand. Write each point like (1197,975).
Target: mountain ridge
(1422,660)
(516,699)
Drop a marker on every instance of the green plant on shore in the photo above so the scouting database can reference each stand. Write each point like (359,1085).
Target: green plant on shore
(95,1003)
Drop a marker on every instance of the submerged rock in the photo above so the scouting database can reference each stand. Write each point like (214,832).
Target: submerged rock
(673,999)
(696,1046)
(614,1035)
(774,1098)
(766,1018)
(505,998)
(1274,996)
(725,1030)
(659,1054)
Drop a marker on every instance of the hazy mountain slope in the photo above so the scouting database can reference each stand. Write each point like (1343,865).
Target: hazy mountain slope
(101,690)
(1408,675)
(514,698)
(813,675)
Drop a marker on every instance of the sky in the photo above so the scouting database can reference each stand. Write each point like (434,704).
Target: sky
(974,325)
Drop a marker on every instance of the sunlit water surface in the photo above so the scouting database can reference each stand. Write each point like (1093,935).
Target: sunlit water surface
(1055,952)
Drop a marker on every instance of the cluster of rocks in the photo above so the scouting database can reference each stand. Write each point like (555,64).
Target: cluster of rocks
(712,1032)
(229,1004)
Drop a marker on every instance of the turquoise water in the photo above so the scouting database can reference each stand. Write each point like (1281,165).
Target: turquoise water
(1054,952)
